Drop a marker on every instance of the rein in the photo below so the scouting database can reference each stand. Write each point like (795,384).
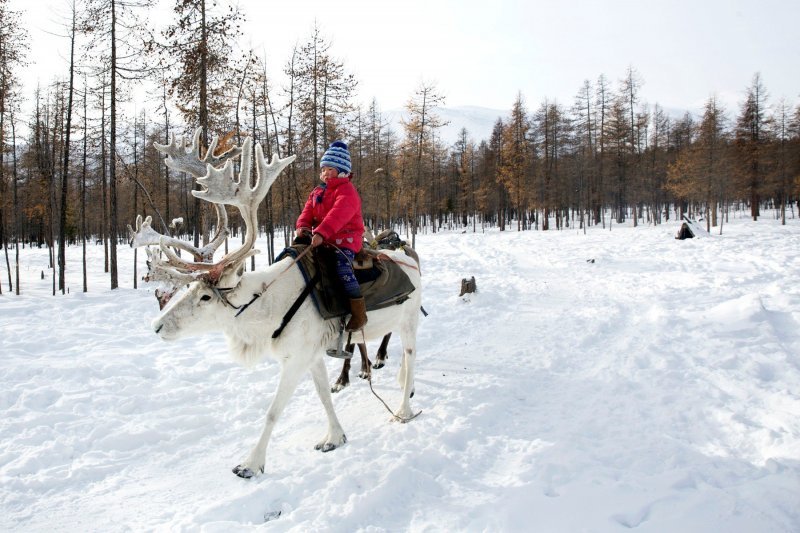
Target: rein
(220,291)
(369,380)
(385,256)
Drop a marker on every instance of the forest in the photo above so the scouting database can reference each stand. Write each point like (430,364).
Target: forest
(79,167)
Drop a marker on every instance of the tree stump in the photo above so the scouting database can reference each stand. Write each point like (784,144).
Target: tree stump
(468,285)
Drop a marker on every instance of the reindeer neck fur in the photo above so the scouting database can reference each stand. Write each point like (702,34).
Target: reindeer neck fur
(249,334)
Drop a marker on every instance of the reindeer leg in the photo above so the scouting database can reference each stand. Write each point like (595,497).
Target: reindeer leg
(335,436)
(381,357)
(405,377)
(344,377)
(366,366)
(291,372)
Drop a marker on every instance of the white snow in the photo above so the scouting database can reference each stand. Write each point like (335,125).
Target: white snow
(656,388)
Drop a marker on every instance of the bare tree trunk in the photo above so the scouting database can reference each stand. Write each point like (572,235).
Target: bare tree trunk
(8,262)
(166,168)
(62,236)
(105,223)
(83,182)
(135,189)
(2,185)
(199,210)
(16,201)
(253,259)
(113,149)
(268,112)
(52,188)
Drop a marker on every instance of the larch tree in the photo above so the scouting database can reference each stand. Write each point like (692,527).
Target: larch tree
(324,93)
(657,161)
(13,44)
(62,244)
(618,138)
(681,171)
(603,99)
(630,87)
(420,127)
(711,143)
(198,50)
(516,160)
(781,155)
(584,125)
(114,27)
(794,151)
(750,133)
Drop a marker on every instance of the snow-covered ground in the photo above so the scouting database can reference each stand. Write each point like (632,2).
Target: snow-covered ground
(654,388)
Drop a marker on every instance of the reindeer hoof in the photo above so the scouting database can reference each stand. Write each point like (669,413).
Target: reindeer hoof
(365,375)
(244,472)
(378,364)
(339,386)
(325,447)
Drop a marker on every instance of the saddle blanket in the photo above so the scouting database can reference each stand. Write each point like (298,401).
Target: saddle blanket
(382,285)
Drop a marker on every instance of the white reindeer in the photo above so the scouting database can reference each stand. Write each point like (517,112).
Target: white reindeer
(219,293)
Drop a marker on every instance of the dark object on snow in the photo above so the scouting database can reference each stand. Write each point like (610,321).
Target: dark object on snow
(389,240)
(590,260)
(685,232)
(272,515)
(468,286)
(690,229)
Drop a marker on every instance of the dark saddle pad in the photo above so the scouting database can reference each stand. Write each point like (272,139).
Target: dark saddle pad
(383,284)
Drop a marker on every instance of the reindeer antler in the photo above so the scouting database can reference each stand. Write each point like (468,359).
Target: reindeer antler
(145,235)
(159,270)
(220,187)
(186,158)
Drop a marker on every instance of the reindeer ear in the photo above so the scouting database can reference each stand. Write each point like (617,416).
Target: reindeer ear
(240,270)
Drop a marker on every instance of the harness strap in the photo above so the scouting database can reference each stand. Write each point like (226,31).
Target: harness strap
(296,305)
(386,256)
(221,291)
(242,308)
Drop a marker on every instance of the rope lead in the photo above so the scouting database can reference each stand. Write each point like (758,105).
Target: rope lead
(369,380)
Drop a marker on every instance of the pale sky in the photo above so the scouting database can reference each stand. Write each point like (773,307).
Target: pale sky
(484,53)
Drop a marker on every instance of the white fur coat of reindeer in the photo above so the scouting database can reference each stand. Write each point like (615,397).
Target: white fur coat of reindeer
(217,289)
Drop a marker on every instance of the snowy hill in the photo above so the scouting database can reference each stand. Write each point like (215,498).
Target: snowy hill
(478,121)
(601,382)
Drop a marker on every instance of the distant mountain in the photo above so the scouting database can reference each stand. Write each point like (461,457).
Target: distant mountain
(478,121)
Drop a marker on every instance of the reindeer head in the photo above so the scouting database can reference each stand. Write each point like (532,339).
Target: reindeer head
(198,310)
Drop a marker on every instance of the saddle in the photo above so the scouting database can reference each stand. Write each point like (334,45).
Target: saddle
(383,282)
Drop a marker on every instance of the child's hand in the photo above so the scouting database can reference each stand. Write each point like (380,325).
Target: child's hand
(316,240)
(302,236)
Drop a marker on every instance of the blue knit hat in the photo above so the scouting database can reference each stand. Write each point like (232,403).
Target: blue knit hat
(337,157)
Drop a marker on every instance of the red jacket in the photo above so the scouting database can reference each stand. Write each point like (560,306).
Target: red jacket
(333,210)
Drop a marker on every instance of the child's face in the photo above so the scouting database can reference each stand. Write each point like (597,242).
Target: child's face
(327,172)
